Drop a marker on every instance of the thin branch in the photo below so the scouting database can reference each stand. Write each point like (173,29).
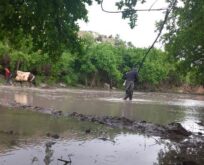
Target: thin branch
(152,5)
(120,11)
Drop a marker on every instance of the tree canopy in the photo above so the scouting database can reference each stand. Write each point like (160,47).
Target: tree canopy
(49,27)
(50,23)
(184,38)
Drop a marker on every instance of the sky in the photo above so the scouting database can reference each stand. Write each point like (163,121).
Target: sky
(142,35)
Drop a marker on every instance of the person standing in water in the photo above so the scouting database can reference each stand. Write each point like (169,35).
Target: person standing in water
(130,78)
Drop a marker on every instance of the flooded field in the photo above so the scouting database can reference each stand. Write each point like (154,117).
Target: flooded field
(31,146)
(26,137)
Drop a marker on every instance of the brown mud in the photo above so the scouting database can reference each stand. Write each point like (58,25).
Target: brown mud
(173,131)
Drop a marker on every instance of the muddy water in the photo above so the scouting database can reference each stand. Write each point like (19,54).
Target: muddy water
(24,140)
(161,108)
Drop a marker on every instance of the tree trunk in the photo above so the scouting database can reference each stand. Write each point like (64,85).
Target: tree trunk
(18,65)
(93,80)
(86,81)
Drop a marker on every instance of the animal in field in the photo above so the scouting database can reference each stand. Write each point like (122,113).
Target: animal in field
(21,77)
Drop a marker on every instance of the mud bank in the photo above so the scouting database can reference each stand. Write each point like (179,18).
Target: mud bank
(173,131)
(170,131)
(187,148)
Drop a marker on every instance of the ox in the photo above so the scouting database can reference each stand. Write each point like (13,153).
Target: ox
(21,77)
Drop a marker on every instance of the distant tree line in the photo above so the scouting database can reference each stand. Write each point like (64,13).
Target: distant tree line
(98,63)
(42,37)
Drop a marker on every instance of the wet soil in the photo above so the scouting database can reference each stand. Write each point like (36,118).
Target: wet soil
(170,131)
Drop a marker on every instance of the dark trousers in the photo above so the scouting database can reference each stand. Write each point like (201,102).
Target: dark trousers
(129,88)
(9,79)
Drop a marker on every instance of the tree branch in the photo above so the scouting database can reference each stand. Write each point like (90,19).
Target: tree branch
(120,11)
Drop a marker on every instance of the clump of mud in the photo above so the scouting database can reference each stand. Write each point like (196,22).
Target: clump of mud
(170,131)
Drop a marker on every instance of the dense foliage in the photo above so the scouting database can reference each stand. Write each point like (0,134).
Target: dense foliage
(42,37)
(99,63)
(184,40)
(184,35)
(51,24)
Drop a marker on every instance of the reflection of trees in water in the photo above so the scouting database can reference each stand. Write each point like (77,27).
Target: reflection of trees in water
(23,98)
(48,153)
(188,153)
(160,114)
(127,109)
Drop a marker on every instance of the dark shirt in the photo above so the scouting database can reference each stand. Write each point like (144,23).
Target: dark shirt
(131,76)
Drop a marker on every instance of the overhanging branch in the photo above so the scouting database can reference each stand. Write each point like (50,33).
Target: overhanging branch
(135,10)
(171,6)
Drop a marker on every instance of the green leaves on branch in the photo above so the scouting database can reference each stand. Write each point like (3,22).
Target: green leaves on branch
(50,23)
(184,38)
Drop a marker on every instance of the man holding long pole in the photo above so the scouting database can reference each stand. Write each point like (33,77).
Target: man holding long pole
(130,78)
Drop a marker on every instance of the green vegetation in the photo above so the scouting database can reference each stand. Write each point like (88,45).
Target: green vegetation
(184,39)
(42,37)
(98,63)
(50,24)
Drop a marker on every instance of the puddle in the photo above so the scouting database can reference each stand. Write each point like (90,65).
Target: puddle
(28,143)
(127,149)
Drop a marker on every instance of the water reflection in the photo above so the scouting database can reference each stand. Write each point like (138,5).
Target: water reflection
(181,155)
(48,153)
(128,149)
(21,98)
(24,141)
(31,145)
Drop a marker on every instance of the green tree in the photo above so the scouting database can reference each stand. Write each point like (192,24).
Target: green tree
(52,24)
(64,70)
(156,67)
(127,9)
(4,56)
(85,60)
(106,62)
(184,38)
(184,23)
(98,63)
